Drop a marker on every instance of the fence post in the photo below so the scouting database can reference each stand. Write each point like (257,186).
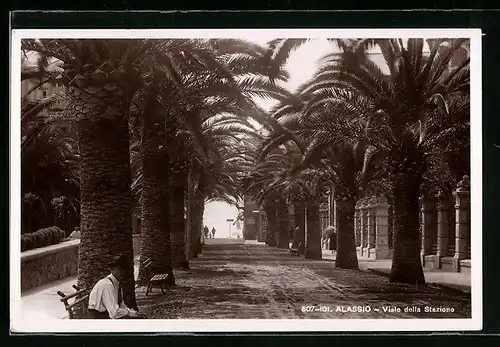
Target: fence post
(371,225)
(364,227)
(461,195)
(357,224)
(382,229)
(357,229)
(442,228)
(427,227)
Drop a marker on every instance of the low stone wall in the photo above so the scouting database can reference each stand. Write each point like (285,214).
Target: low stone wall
(465,265)
(52,263)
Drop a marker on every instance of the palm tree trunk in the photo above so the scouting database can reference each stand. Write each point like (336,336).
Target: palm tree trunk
(346,257)
(178,222)
(313,231)
(272,225)
(189,210)
(195,223)
(406,263)
(156,193)
(299,234)
(106,198)
(283,225)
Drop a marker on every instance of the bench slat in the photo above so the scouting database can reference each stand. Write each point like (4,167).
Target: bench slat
(72,295)
(77,302)
(78,308)
(159,277)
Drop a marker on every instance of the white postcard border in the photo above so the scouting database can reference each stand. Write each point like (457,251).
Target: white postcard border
(249,325)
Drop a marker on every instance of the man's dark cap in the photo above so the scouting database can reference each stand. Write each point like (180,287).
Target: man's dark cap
(119,260)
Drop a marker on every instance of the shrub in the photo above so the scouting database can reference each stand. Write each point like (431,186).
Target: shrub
(38,239)
(30,241)
(47,237)
(49,234)
(56,236)
(42,238)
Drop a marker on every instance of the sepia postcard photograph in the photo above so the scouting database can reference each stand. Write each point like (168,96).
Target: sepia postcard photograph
(246,180)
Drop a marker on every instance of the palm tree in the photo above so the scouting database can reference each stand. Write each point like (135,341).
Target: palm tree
(272,222)
(299,209)
(189,75)
(342,159)
(155,185)
(420,105)
(217,175)
(350,163)
(249,64)
(101,77)
(262,184)
(312,181)
(270,184)
(179,167)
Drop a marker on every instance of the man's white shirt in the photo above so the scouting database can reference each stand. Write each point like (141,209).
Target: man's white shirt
(104,297)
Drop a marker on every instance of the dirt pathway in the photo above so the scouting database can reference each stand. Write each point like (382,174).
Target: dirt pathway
(232,279)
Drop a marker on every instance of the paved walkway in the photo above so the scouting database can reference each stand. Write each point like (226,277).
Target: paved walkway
(460,281)
(237,279)
(44,303)
(249,280)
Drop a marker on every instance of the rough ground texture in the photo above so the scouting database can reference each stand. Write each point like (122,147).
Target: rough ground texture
(233,279)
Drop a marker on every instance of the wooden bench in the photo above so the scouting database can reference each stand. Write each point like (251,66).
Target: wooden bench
(78,308)
(295,251)
(155,279)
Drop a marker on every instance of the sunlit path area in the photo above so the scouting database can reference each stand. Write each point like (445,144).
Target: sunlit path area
(233,279)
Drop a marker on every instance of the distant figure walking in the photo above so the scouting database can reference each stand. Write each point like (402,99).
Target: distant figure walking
(206,232)
(75,234)
(213,232)
(333,242)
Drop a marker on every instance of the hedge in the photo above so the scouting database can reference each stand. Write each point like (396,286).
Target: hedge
(42,238)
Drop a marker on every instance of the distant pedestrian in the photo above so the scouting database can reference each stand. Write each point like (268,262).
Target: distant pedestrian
(333,242)
(75,234)
(206,231)
(213,232)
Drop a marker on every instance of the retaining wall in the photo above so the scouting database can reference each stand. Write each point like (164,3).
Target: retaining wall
(43,265)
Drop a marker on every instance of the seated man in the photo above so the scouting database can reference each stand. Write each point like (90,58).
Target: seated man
(106,298)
